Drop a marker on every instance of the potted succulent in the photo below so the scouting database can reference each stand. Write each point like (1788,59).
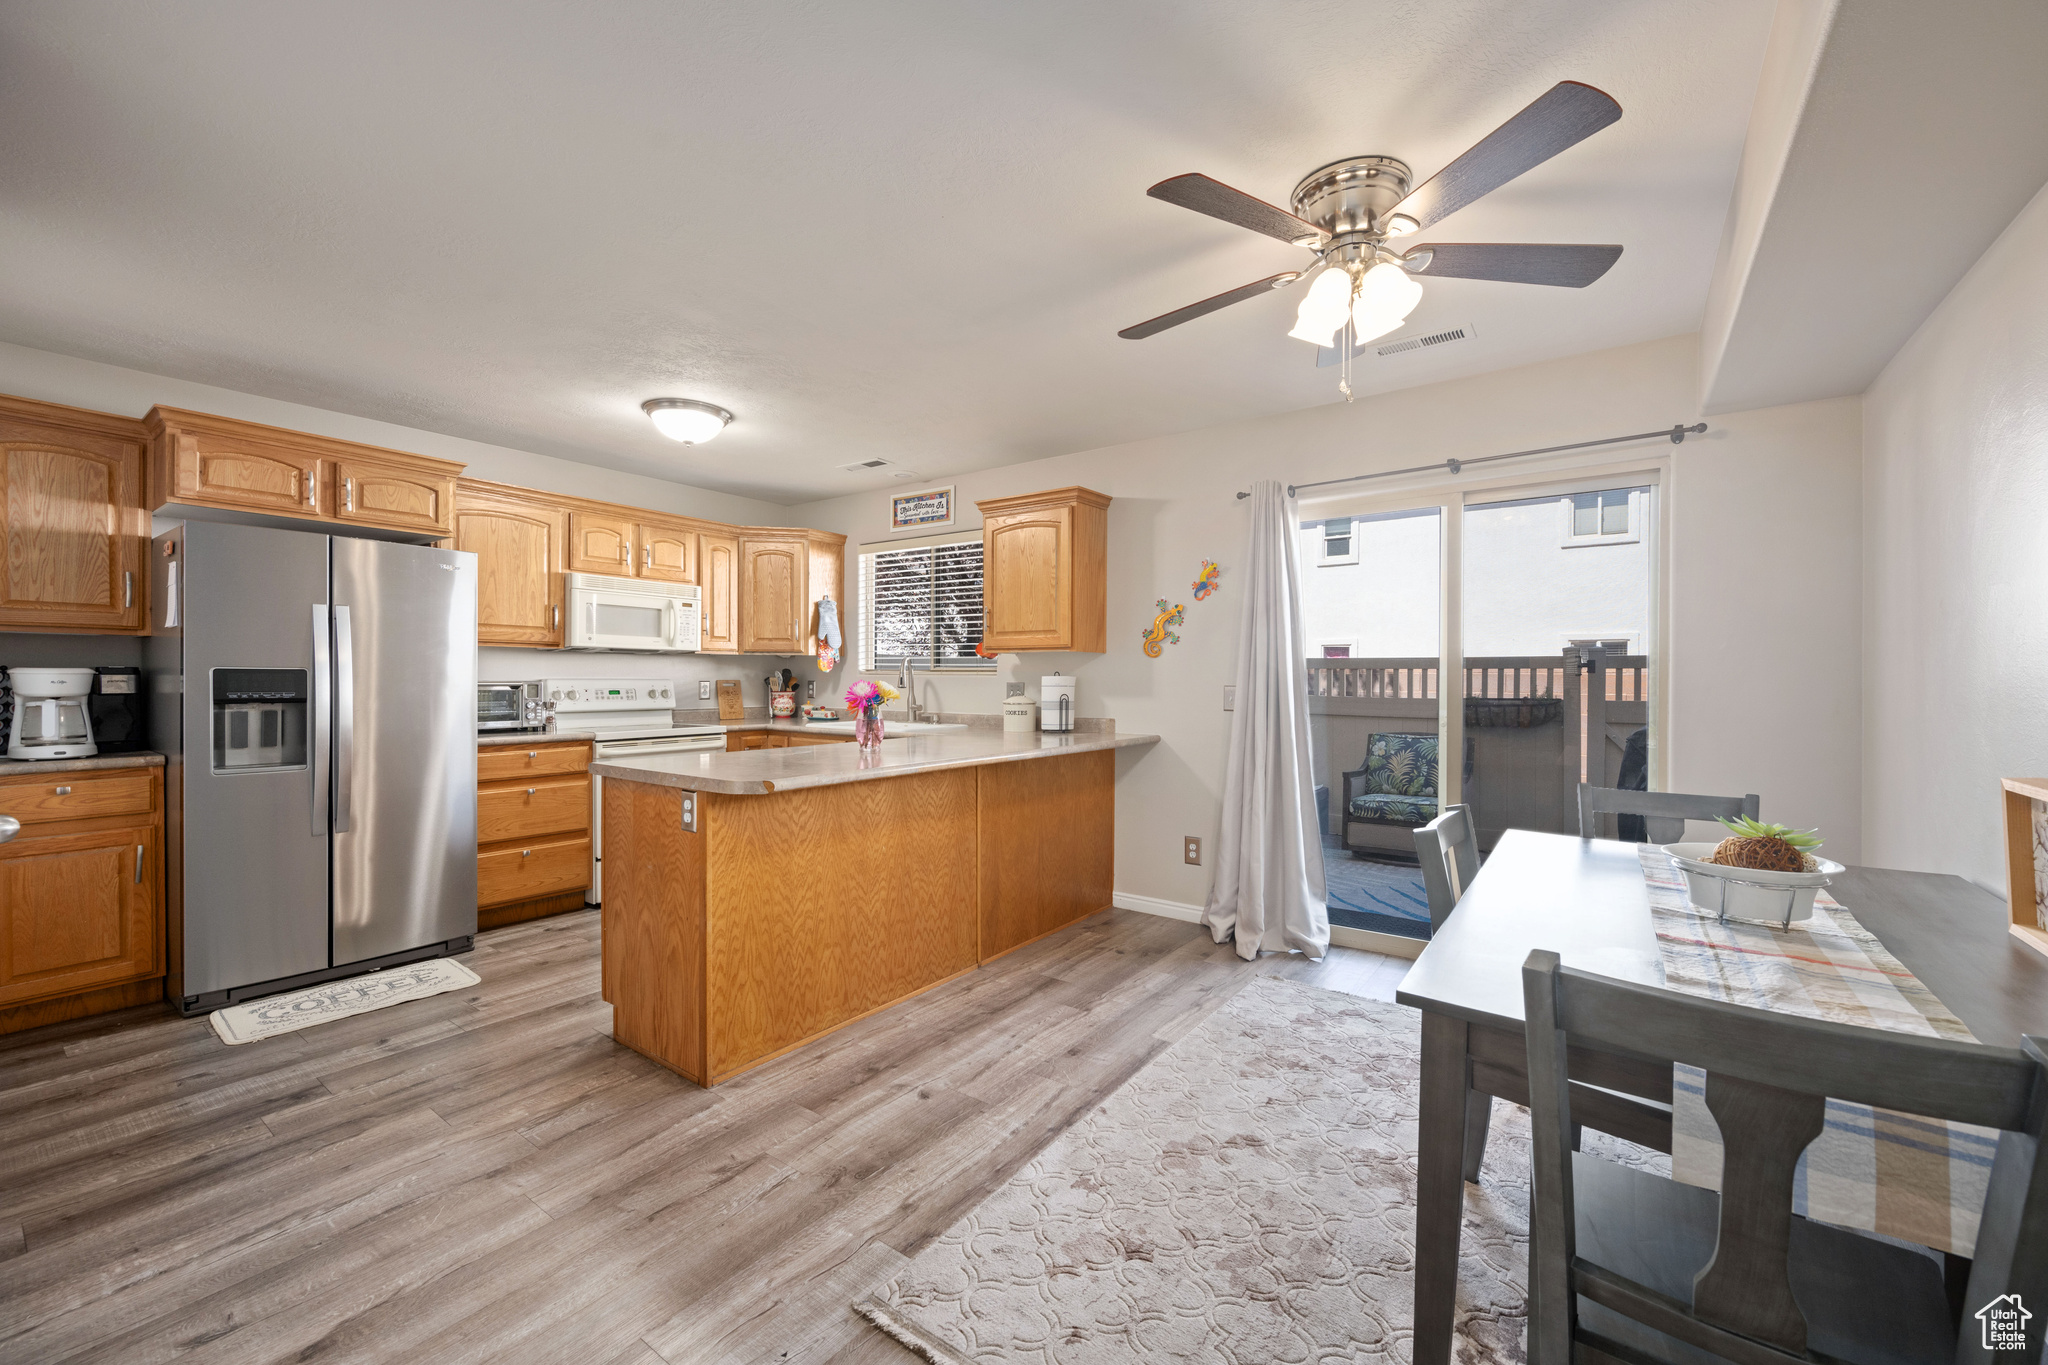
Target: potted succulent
(1762,874)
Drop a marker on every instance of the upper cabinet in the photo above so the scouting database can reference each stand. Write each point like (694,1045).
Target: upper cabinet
(1045,562)
(601,542)
(784,571)
(518,539)
(774,591)
(200,460)
(718,573)
(668,552)
(71,502)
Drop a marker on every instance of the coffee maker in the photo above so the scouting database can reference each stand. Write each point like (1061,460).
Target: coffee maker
(50,713)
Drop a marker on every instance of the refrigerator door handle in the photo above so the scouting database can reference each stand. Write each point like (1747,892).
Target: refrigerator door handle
(323,711)
(344,721)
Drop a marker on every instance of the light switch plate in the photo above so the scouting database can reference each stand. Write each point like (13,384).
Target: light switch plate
(1191,850)
(704,690)
(690,812)
(1230,696)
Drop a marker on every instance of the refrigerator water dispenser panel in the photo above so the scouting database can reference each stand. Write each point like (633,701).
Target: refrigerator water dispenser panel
(259,719)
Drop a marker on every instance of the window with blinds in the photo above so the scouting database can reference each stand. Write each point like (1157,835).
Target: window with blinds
(922,603)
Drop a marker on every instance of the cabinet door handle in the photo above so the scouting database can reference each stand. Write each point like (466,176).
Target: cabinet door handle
(647,556)
(531,790)
(533,753)
(526,853)
(558,615)
(127,588)
(138,864)
(63,791)
(348,495)
(307,479)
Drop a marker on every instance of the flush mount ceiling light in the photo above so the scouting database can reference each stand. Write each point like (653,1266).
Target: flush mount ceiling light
(685,419)
(1348,211)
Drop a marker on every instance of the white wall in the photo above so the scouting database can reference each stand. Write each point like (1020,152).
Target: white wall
(1733,539)
(1955,637)
(52,378)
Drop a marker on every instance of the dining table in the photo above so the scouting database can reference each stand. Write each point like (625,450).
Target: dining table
(1588,901)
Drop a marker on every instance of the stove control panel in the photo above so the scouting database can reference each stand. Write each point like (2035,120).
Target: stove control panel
(609,694)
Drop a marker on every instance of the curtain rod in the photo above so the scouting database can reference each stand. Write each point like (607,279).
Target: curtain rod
(1677,435)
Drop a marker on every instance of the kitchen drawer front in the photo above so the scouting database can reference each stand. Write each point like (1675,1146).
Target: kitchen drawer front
(542,869)
(549,806)
(539,760)
(739,741)
(798,741)
(78,796)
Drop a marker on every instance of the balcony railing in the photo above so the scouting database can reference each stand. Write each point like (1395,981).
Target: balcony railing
(1507,677)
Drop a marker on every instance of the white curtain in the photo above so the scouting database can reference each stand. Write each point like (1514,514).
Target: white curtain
(1269,889)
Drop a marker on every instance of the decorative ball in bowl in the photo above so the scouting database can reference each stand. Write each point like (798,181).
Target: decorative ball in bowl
(1763,874)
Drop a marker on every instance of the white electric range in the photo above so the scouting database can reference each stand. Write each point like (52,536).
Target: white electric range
(631,717)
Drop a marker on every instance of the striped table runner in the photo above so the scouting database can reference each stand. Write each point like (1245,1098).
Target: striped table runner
(1913,1178)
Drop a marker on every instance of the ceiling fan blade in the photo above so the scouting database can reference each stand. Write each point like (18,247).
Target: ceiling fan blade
(1218,200)
(1564,115)
(1209,305)
(1567,266)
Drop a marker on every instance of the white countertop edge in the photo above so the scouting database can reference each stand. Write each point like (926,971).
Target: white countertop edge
(761,771)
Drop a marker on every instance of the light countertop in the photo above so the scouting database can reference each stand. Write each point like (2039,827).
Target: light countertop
(824,765)
(13,767)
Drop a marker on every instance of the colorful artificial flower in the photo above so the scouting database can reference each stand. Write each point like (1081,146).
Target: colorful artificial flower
(868,696)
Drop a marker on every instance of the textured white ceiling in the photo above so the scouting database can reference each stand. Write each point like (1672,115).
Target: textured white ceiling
(898,230)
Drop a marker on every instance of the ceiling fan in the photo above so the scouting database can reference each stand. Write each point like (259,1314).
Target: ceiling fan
(1348,211)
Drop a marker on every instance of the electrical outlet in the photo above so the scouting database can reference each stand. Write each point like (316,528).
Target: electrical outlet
(689,812)
(704,690)
(811,690)
(1012,689)
(1191,850)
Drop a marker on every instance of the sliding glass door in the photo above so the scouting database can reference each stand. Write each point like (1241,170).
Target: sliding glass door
(1492,647)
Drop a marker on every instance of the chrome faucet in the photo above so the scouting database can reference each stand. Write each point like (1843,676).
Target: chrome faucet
(906,683)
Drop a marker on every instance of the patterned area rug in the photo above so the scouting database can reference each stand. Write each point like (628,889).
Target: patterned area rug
(289,1013)
(1247,1197)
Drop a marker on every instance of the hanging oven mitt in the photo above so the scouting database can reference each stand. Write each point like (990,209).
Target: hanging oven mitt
(828,635)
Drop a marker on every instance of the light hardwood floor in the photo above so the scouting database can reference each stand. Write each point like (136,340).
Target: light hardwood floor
(487,1177)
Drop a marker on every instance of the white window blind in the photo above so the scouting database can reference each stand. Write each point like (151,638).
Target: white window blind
(922,603)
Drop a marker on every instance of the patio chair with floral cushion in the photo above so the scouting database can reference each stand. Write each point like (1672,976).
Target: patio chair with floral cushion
(1395,791)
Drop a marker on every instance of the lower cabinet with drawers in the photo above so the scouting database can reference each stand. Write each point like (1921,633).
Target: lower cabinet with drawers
(532,830)
(739,741)
(81,894)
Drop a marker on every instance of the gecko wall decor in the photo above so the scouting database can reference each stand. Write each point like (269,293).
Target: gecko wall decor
(1160,633)
(1205,581)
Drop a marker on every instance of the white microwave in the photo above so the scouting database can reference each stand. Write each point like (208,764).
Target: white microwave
(633,614)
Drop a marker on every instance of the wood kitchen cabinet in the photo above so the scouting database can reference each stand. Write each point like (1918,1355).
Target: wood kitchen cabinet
(71,501)
(533,830)
(668,552)
(601,542)
(774,592)
(81,894)
(718,573)
(1045,571)
(199,460)
(519,543)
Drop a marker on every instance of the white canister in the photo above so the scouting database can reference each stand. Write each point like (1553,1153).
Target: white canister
(1020,715)
(1056,702)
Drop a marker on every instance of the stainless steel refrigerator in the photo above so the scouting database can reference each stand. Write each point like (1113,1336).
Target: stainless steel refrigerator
(316,699)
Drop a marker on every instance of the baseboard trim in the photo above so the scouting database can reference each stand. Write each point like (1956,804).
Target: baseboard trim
(1366,940)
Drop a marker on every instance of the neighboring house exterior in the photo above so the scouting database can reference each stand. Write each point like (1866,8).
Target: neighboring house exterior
(1539,574)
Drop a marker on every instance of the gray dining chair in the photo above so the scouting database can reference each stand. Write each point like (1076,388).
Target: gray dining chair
(1664,813)
(1629,1266)
(1448,849)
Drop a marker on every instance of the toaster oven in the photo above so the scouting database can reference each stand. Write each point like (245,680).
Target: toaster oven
(510,706)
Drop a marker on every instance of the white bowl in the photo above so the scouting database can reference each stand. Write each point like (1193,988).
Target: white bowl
(1748,895)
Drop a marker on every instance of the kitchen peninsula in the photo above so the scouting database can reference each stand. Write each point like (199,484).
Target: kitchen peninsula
(755,901)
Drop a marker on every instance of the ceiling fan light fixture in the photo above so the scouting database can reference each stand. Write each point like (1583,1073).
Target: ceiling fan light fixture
(685,419)
(1324,308)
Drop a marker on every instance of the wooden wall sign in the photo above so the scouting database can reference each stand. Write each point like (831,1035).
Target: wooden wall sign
(729,706)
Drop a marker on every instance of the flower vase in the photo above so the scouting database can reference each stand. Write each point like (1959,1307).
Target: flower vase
(867,730)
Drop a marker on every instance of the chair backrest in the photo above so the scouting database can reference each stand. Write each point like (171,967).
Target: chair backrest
(1448,849)
(1401,765)
(1769,1077)
(1665,813)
